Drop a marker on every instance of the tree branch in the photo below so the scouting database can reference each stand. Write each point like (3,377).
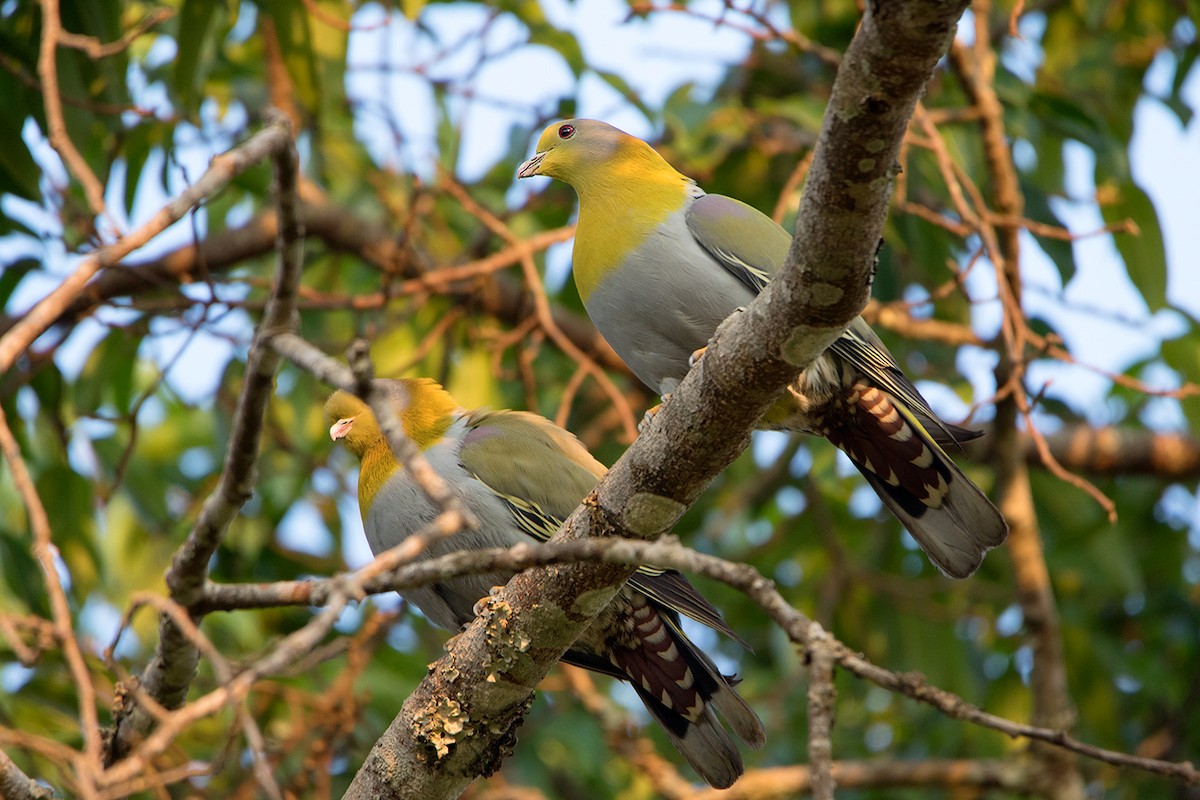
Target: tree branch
(475,696)
(16,785)
(49,309)
(393,571)
(60,608)
(781,783)
(169,674)
(822,700)
(503,296)
(1052,704)
(56,124)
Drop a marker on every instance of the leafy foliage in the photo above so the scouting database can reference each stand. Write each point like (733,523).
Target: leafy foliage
(123,410)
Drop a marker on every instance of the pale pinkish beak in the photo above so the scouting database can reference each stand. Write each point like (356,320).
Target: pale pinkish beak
(530,167)
(340,428)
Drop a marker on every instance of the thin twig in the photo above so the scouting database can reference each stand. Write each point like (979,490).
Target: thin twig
(56,124)
(222,170)
(542,304)
(60,609)
(669,553)
(171,669)
(186,575)
(97,49)
(335,374)
(1052,705)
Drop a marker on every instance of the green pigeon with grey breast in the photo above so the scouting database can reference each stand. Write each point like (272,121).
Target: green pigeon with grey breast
(660,264)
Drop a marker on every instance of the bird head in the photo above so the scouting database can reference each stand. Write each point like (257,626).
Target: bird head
(583,151)
(423,406)
(351,419)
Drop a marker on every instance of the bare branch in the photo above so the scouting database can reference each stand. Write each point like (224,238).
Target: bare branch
(359,382)
(342,231)
(16,785)
(782,783)
(541,303)
(822,697)
(234,688)
(97,49)
(486,680)
(56,124)
(222,170)
(1124,451)
(391,572)
(170,671)
(1052,704)
(60,609)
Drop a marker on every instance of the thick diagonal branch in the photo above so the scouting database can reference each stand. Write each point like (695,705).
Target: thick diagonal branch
(477,694)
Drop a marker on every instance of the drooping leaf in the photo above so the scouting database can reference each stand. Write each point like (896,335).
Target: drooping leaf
(293,32)
(1060,251)
(194,40)
(1144,253)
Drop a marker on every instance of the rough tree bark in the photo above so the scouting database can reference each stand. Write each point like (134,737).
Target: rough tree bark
(475,697)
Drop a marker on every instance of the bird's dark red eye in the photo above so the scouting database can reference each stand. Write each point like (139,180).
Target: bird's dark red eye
(566,131)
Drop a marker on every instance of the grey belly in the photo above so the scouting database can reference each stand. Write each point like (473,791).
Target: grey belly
(657,324)
(447,603)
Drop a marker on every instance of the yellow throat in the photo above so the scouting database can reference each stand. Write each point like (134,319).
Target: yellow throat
(428,412)
(626,191)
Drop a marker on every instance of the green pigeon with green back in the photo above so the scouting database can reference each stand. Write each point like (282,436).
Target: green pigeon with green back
(660,264)
(522,476)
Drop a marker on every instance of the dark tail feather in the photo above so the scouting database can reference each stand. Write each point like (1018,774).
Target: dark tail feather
(680,687)
(948,515)
(733,709)
(671,590)
(944,433)
(956,534)
(704,743)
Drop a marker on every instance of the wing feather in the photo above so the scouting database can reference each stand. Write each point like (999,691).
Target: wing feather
(739,237)
(504,437)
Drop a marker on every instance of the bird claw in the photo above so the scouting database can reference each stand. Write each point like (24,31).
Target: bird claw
(482,602)
(651,413)
(696,354)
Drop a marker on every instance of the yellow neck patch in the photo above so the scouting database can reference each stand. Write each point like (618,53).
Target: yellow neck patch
(622,201)
(378,464)
(429,411)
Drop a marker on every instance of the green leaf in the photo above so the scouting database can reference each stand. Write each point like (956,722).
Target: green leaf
(22,575)
(136,151)
(625,90)
(19,174)
(295,41)
(1060,251)
(67,496)
(108,374)
(1183,68)
(195,23)
(1069,118)
(11,276)
(561,42)
(1144,253)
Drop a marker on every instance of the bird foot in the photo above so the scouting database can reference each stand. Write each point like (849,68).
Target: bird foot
(482,602)
(695,356)
(650,414)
